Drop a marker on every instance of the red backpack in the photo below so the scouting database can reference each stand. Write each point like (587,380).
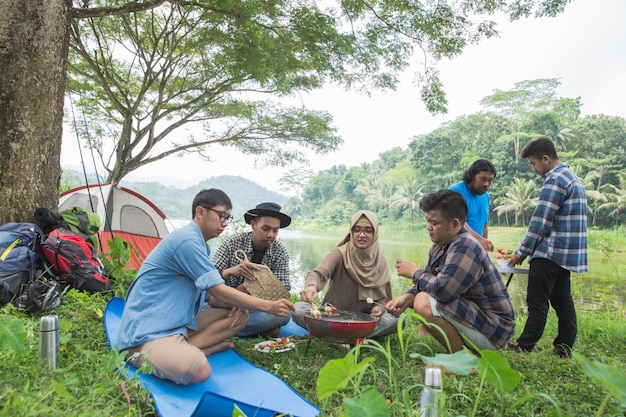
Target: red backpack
(74,261)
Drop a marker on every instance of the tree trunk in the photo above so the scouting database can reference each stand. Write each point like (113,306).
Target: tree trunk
(34,40)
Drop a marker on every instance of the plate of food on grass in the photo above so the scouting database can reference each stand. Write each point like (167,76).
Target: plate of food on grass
(280,344)
(504,254)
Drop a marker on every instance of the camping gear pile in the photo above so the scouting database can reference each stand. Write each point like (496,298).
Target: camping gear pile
(38,263)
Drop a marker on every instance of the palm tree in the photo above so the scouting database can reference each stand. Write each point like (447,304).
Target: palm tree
(408,195)
(616,197)
(368,186)
(589,181)
(382,197)
(377,192)
(560,135)
(518,198)
(293,207)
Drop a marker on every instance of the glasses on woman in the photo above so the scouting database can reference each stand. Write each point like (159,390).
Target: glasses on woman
(358,229)
(223,215)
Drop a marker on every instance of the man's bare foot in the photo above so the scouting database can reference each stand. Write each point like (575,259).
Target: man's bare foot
(272,333)
(220,347)
(422,331)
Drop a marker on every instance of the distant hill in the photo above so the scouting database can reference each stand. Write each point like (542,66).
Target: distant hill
(176,202)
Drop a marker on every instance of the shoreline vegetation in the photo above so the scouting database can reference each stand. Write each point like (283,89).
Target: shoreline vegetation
(536,383)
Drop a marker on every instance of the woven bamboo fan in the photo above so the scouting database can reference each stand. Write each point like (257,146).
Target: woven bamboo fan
(266,285)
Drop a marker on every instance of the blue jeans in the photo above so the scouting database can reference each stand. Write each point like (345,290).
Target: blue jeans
(548,283)
(260,322)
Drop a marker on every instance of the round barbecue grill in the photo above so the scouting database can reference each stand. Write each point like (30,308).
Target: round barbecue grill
(344,327)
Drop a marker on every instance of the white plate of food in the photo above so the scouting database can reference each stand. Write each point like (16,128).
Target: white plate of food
(281,344)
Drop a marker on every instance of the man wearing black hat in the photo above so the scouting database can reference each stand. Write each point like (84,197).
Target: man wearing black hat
(261,247)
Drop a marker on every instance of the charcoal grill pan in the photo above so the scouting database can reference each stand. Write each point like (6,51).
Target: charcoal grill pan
(347,327)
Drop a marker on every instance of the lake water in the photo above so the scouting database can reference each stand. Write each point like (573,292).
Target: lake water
(306,250)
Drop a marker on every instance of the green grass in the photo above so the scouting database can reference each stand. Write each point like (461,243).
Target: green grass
(87,383)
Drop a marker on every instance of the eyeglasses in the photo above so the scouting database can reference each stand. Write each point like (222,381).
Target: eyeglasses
(224,216)
(367,230)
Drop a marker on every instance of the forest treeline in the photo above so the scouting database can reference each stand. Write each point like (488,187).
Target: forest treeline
(391,186)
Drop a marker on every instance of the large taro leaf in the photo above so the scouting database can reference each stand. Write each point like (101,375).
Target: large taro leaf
(337,373)
(498,371)
(369,404)
(461,363)
(495,367)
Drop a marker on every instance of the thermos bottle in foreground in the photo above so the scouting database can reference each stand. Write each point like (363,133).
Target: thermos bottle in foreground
(49,341)
(432,391)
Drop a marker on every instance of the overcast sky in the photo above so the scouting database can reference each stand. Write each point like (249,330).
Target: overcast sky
(585,47)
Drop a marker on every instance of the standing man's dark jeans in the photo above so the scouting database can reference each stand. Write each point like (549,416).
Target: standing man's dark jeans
(548,283)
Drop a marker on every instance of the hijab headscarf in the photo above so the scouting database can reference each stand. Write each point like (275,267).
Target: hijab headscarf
(367,267)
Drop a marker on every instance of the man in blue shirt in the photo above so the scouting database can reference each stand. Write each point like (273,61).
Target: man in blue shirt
(164,322)
(556,242)
(476,181)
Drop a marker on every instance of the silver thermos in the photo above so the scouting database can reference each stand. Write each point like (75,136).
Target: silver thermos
(432,391)
(49,341)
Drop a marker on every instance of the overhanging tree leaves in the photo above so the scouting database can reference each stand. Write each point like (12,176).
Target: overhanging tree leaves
(145,78)
(207,74)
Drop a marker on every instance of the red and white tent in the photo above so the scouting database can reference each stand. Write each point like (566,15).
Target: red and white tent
(124,213)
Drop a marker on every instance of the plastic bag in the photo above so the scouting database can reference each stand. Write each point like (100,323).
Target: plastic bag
(41,295)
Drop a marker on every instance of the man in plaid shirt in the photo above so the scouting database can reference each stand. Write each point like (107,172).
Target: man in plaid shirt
(460,292)
(556,244)
(261,247)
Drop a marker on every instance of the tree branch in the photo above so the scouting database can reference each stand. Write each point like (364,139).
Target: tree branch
(134,6)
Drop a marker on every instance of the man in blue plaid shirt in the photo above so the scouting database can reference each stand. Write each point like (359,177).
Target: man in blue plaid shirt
(556,244)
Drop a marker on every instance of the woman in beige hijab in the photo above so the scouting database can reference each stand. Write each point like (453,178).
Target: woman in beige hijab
(358,272)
